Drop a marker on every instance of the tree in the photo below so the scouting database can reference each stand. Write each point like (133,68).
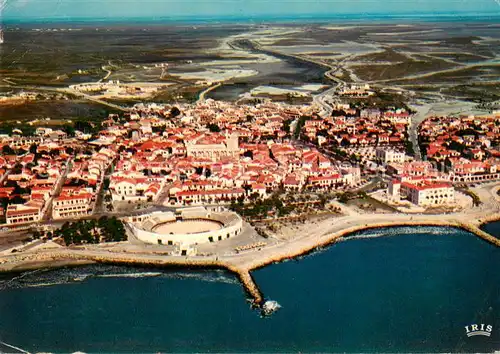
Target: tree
(84,126)
(344,197)
(248,153)
(410,151)
(214,128)
(345,142)
(254,196)
(174,112)
(454,145)
(7,150)
(199,170)
(68,129)
(17,200)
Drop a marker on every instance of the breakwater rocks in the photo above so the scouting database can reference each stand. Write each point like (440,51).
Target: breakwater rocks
(480,233)
(298,249)
(57,259)
(487,219)
(241,265)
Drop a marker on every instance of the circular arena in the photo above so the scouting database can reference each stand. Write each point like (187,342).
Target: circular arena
(190,226)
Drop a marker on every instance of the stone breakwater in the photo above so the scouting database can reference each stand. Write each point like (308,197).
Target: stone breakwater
(326,240)
(56,259)
(487,219)
(242,265)
(480,233)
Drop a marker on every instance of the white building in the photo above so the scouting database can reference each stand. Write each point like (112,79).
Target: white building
(134,189)
(71,206)
(389,156)
(423,193)
(187,227)
(213,150)
(19,213)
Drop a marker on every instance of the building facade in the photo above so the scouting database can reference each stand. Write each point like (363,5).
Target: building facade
(73,206)
(389,156)
(19,214)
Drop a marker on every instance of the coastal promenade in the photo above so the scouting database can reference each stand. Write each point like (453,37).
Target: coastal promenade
(243,263)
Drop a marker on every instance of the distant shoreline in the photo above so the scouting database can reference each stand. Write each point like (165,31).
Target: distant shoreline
(348,19)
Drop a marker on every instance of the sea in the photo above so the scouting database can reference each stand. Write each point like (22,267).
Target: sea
(403,289)
(380,18)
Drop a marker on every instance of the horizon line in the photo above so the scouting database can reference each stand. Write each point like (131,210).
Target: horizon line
(252,18)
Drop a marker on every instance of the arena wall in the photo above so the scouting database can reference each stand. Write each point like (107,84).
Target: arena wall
(230,229)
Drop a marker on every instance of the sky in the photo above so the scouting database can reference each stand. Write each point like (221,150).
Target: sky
(115,9)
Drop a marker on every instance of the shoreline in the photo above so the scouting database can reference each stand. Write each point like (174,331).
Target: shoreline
(243,269)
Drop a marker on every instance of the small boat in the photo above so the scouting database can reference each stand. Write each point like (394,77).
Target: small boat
(270,307)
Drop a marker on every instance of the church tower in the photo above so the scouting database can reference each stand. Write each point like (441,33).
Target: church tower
(232,142)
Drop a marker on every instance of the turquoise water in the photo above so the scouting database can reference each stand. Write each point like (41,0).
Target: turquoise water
(343,18)
(413,293)
(433,17)
(493,228)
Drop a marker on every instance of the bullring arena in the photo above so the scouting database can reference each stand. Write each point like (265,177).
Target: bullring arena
(194,226)
(186,227)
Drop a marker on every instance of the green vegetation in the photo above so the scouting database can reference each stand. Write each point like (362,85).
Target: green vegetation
(92,231)
(286,125)
(177,93)
(280,205)
(388,55)
(475,198)
(338,152)
(454,145)
(259,208)
(300,125)
(346,196)
(409,150)
(67,115)
(214,128)
(401,69)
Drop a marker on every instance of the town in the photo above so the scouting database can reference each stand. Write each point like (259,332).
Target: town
(272,164)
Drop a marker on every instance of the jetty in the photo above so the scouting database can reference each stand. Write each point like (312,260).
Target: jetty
(479,233)
(241,264)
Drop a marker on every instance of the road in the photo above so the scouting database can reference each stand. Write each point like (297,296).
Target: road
(100,192)
(47,210)
(416,120)
(4,177)
(319,233)
(203,93)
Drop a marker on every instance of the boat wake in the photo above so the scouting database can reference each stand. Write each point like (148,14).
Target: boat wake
(11,348)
